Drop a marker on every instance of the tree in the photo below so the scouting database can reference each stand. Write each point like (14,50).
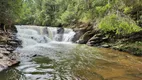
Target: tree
(10,10)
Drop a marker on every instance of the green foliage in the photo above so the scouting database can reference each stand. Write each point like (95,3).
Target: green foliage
(127,10)
(102,10)
(66,12)
(118,24)
(86,16)
(9,10)
(66,17)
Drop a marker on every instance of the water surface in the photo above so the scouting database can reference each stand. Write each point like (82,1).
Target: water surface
(62,60)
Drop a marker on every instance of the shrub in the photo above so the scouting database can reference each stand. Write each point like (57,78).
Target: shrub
(118,24)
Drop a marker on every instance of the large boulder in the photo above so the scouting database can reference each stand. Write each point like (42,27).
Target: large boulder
(77,35)
(85,37)
(97,39)
(82,31)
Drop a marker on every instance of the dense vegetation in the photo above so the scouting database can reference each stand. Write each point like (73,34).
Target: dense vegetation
(121,16)
(10,10)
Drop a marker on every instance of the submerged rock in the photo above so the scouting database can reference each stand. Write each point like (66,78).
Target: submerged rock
(105,46)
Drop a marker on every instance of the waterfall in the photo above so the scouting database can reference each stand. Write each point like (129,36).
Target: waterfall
(31,35)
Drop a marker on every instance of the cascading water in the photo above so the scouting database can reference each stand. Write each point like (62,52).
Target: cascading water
(31,35)
(48,42)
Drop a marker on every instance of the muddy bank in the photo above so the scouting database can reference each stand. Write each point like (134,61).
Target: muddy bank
(87,33)
(8,44)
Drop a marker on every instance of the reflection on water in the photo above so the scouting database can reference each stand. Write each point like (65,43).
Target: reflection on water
(11,74)
(75,62)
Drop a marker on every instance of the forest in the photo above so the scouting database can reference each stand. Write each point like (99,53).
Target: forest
(123,15)
(71,39)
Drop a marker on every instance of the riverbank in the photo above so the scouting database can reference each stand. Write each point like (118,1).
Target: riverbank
(134,48)
(8,44)
(89,34)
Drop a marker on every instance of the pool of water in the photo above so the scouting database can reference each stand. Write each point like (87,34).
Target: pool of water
(67,61)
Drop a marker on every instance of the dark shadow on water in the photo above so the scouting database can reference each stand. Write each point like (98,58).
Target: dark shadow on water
(11,74)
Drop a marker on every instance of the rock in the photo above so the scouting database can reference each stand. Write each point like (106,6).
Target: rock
(4,52)
(89,44)
(2,46)
(8,45)
(10,49)
(60,32)
(12,43)
(2,66)
(7,60)
(77,35)
(80,41)
(1,56)
(106,46)
(85,37)
(14,56)
(97,39)
(45,30)
(2,49)
(15,40)
(34,55)
(83,32)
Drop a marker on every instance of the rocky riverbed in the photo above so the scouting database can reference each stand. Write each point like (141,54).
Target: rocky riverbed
(8,44)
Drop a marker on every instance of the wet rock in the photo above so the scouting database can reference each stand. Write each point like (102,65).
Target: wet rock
(82,31)
(97,39)
(45,31)
(6,53)
(7,59)
(13,43)
(13,29)
(85,37)
(10,49)
(34,55)
(2,46)
(1,56)
(2,66)
(77,35)
(80,41)
(105,46)
(60,32)
(7,56)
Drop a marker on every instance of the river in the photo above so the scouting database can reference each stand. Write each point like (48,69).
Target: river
(46,55)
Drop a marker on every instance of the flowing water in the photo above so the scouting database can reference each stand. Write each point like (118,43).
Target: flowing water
(47,55)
